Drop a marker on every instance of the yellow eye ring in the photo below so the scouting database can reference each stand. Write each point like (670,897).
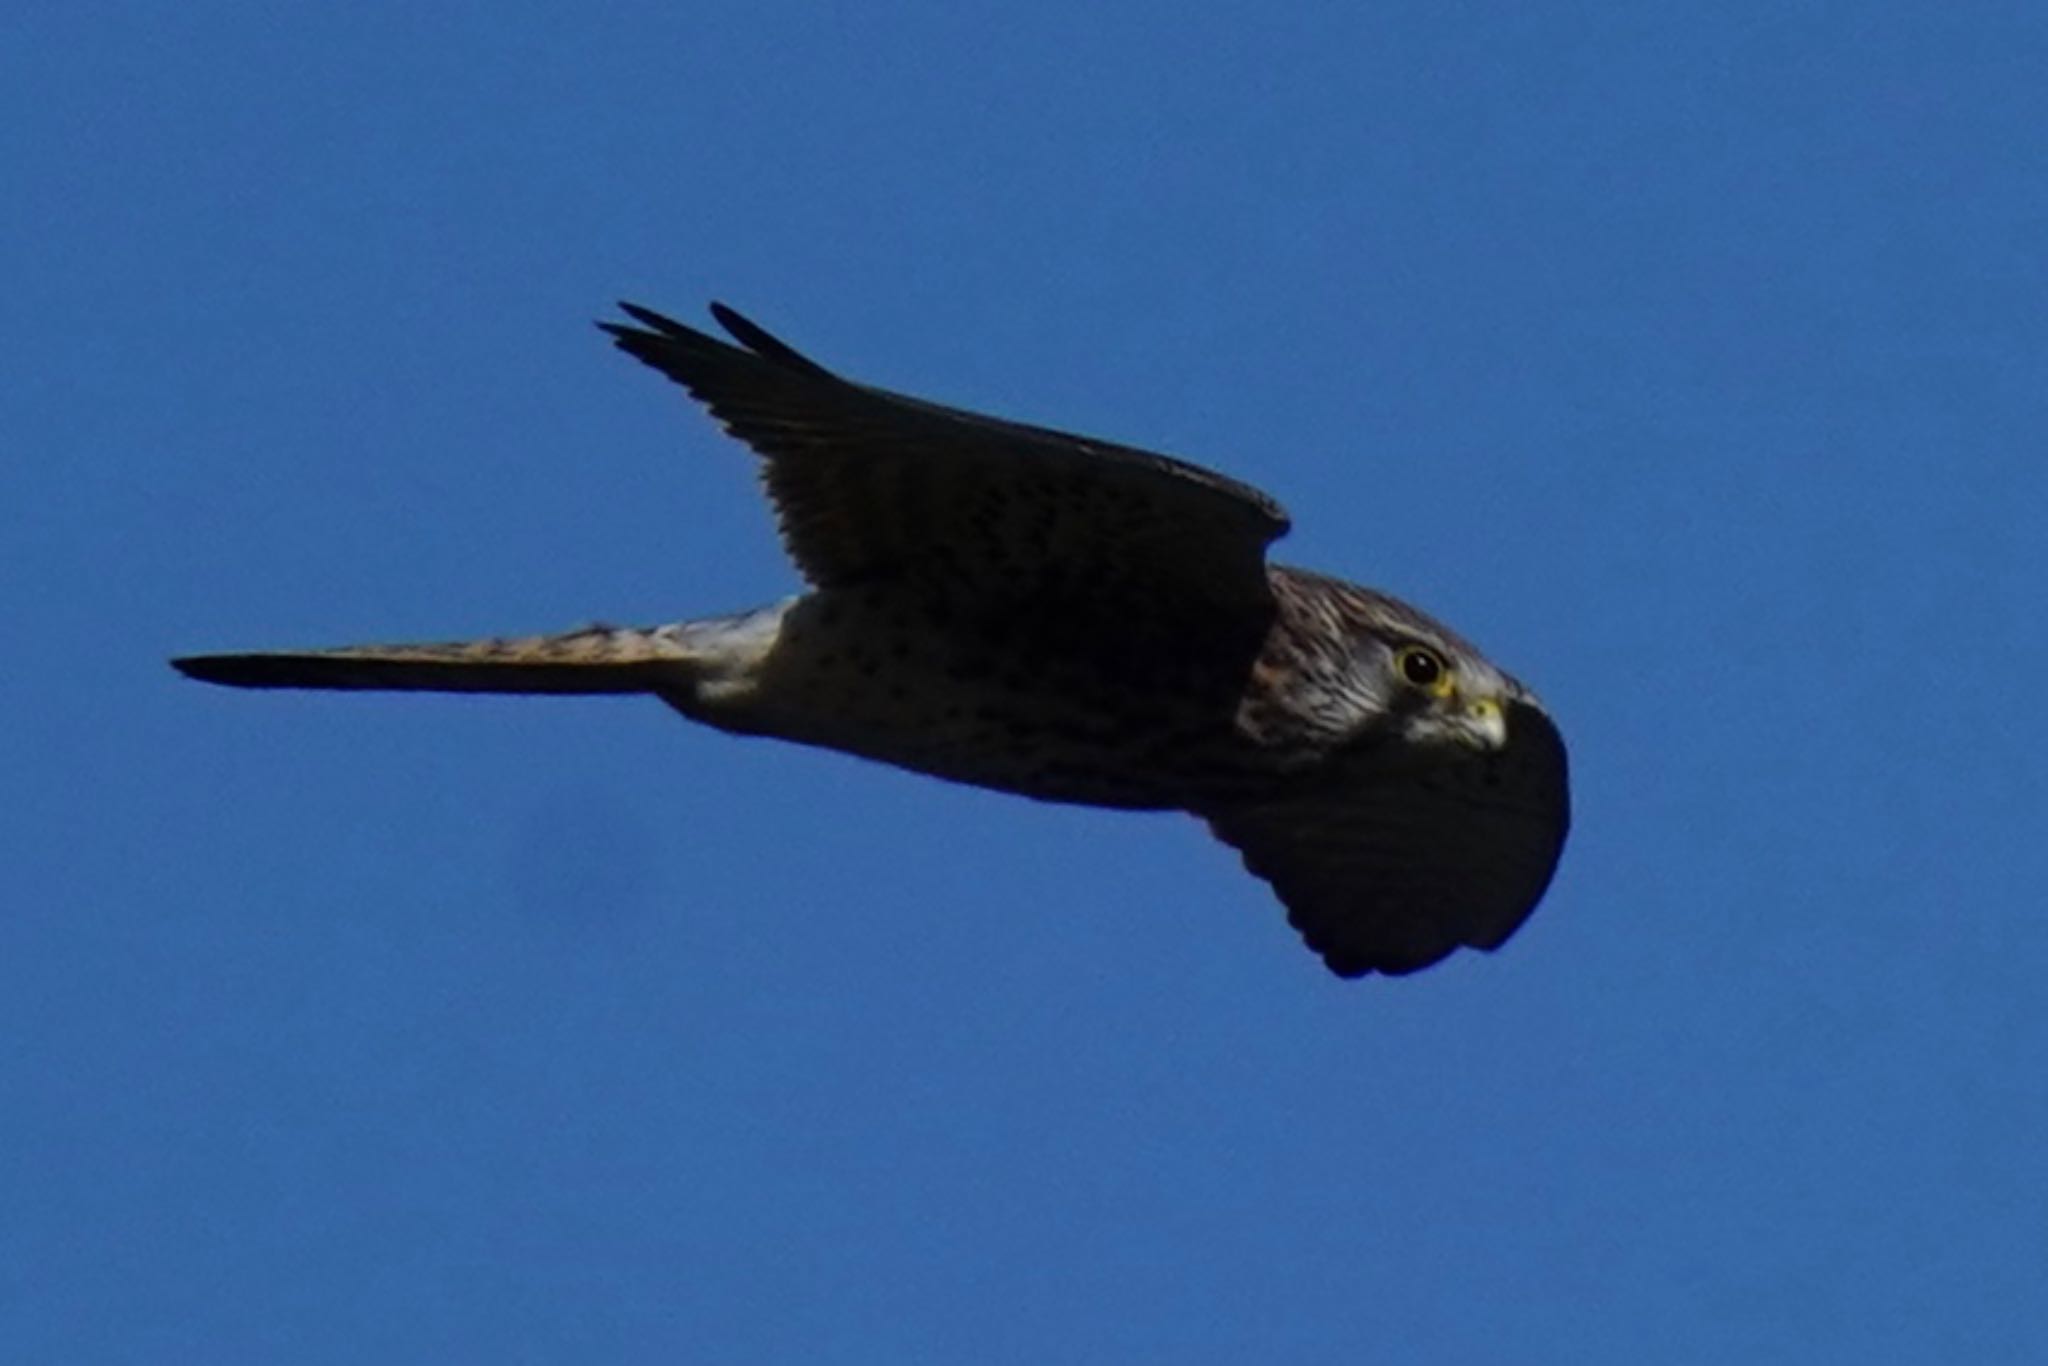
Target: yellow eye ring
(1422,667)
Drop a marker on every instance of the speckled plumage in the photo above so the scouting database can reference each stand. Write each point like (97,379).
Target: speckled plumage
(1071,620)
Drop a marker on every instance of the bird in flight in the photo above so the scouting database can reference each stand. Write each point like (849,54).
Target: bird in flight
(1071,620)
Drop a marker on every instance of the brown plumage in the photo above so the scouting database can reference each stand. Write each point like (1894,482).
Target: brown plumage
(1047,614)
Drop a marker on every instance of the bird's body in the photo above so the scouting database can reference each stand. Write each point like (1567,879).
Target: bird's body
(1057,617)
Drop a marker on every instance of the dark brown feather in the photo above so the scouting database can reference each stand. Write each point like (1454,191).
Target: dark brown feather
(597,659)
(869,484)
(1387,865)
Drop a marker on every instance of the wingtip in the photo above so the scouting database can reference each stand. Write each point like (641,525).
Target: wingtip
(764,343)
(1351,965)
(732,320)
(659,327)
(653,332)
(647,318)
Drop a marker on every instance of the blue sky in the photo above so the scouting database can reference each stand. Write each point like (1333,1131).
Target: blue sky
(1691,362)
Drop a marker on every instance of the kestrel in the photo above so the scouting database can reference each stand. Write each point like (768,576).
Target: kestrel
(1071,620)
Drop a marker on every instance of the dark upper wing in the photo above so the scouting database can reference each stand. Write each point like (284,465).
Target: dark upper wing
(1388,869)
(871,484)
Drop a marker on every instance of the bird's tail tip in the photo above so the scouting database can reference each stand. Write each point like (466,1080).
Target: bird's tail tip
(595,659)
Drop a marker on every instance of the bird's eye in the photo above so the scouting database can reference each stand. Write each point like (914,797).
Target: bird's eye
(1421,666)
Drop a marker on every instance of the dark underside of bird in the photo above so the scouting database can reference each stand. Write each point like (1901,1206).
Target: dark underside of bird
(1064,618)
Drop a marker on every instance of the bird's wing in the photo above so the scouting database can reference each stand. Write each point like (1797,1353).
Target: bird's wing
(1389,866)
(872,485)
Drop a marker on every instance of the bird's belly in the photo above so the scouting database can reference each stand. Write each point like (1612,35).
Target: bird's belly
(868,673)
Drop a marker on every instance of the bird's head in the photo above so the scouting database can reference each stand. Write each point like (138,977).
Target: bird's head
(1438,694)
(1429,687)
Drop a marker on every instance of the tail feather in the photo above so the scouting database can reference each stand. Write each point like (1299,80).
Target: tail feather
(597,659)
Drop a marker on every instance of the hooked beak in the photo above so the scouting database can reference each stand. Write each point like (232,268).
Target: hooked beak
(1483,724)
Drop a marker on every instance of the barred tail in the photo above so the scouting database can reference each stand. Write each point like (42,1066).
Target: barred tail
(596,659)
